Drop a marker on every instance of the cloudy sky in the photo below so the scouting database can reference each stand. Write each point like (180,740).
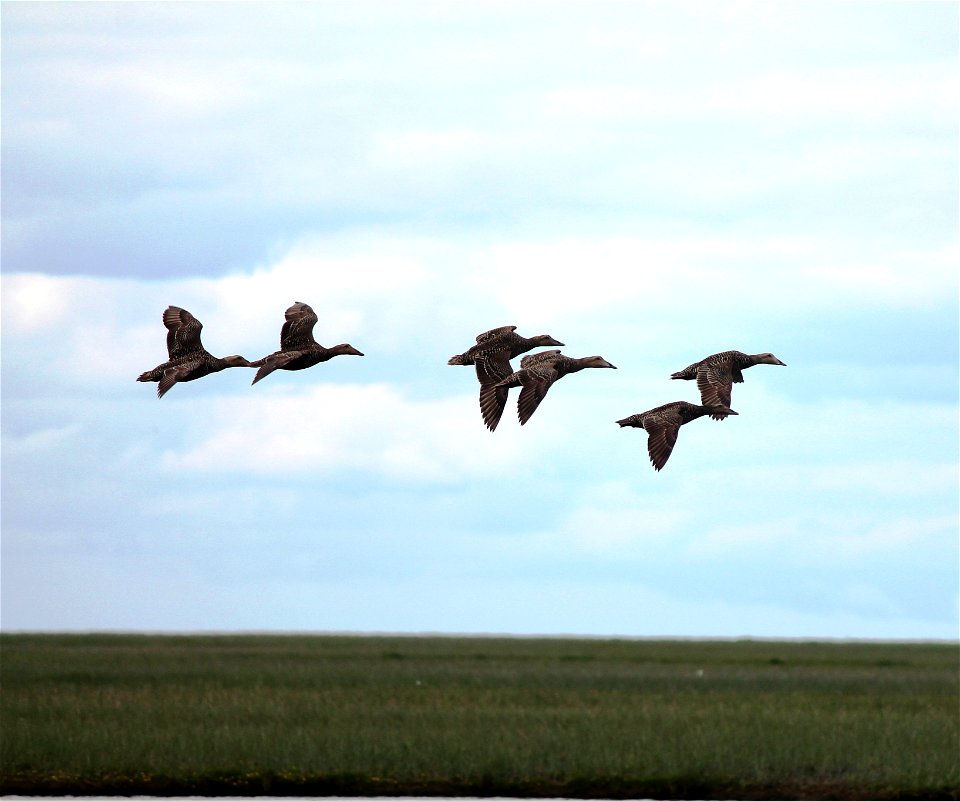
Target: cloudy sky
(651,182)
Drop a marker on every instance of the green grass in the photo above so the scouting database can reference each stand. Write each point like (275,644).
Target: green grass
(398,715)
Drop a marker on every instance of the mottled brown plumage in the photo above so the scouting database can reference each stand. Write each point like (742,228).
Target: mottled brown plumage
(491,356)
(536,375)
(298,349)
(662,424)
(188,358)
(717,374)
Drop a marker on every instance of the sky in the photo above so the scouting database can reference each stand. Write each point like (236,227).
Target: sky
(646,181)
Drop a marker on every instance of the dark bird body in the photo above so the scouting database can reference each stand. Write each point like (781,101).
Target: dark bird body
(536,375)
(491,356)
(298,349)
(663,425)
(188,360)
(717,374)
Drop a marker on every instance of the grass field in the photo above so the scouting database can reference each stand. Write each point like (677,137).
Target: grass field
(234,715)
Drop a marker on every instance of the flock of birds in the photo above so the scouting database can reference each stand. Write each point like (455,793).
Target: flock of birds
(715,375)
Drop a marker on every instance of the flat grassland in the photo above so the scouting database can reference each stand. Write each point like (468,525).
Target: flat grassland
(349,715)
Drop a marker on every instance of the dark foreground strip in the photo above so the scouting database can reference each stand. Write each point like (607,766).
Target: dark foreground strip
(267,784)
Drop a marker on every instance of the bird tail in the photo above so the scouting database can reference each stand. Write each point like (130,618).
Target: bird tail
(721,412)
(461,359)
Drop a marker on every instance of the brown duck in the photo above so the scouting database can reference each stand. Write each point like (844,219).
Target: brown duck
(491,356)
(298,349)
(189,360)
(663,424)
(717,374)
(536,375)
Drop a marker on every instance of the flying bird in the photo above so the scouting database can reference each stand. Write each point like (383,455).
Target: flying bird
(663,424)
(491,356)
(298,349)
(188,360)
(717,374)
(536,375)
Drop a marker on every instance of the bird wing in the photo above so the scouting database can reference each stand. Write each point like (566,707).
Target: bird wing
(537,383)
(493,366)
(275,361)
(493,400)
(172,375)
(543,357)
(297,329)
(715,383)
(662,431)
(486,336)
(688,372)
(183,332)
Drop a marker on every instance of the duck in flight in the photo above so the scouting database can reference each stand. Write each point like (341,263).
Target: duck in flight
(662,425)
(188,359)
(716,375)
(298,349)
(538,372)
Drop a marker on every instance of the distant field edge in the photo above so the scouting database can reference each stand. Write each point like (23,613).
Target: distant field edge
(678,788)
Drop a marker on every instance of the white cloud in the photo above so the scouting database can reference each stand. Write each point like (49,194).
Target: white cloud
(40,440)
(258,134)
(616,521)
(858,93)
(187,90)
(605,101)
(577,275)
(813,97)
(35,302)
(852,475)
(428,147)
(372,428)
(827,537)
(891,536)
